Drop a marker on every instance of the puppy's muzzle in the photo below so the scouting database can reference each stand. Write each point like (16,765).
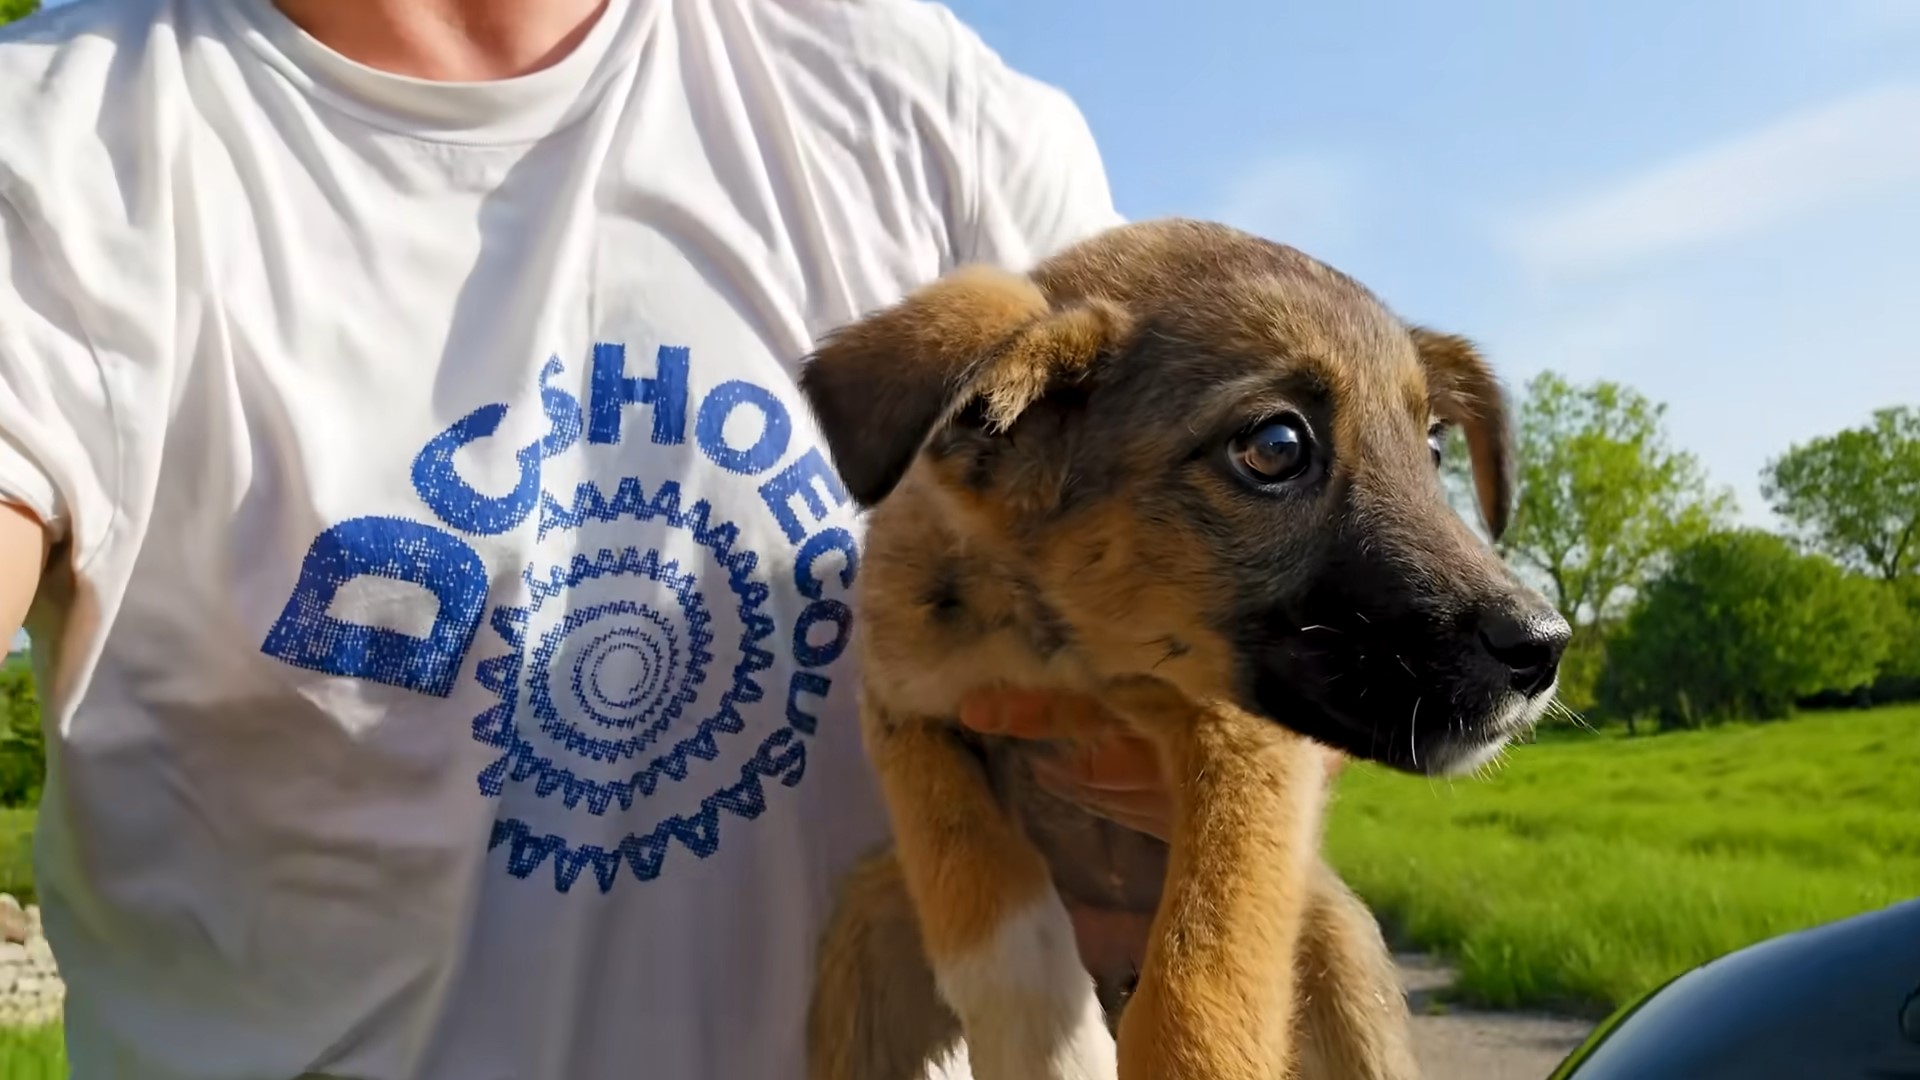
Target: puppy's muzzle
(1425,685)
(1525,644)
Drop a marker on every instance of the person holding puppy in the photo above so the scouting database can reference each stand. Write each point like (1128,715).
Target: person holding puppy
(436,583)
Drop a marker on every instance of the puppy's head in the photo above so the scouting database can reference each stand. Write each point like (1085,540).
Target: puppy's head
(1217,461)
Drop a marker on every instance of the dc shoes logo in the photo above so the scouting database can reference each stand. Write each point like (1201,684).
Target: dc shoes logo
(649,634)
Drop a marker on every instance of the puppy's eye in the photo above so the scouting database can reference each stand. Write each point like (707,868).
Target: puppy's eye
(1273,453)
(1437,442)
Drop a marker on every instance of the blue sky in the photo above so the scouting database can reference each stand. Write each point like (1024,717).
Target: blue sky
(1717,202)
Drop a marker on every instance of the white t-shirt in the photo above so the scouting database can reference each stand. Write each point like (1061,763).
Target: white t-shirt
(445,665)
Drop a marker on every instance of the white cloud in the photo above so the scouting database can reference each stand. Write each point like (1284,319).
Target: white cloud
(1307,201)
(1858,147)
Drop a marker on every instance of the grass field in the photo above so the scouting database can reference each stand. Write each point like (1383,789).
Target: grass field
(1592,869)
(32,1054)
(16,854)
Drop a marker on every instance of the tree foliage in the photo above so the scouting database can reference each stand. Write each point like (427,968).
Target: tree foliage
(1856,494)
(1740,626)
(1603,496)
(22,745)
(1603,499)
(10,10)
(1900,676)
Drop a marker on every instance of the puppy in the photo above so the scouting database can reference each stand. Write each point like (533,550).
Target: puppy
(1191,473)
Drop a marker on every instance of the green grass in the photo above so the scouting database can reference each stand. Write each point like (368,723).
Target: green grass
(16,855)
(25,1053)
(1588,871)
(32,1053)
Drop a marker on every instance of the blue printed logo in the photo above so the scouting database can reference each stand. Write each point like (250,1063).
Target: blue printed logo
(657,674)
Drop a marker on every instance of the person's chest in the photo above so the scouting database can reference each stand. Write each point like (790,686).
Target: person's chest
(513,436)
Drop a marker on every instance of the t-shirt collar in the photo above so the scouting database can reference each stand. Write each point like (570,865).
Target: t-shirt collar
(517,109)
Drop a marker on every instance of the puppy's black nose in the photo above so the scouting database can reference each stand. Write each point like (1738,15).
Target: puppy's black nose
(1528,643)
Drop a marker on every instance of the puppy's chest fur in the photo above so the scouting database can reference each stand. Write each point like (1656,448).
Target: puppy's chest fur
(941,618)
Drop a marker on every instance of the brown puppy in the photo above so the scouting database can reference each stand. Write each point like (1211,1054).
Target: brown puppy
(1193,473)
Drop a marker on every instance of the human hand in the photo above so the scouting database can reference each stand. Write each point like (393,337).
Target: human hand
(1103,766)
(1109,771)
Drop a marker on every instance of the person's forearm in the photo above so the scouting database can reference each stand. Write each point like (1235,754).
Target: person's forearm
(23,554)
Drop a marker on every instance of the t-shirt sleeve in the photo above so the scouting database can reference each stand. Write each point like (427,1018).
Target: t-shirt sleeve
(1038,183)
(57,435)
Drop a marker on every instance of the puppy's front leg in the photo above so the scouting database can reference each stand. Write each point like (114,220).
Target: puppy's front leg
(1216,994)
(1353,1022)
(995,931)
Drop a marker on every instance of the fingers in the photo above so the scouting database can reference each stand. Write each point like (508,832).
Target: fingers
(1111,940)
(1148,813)
(1034,714)
(1143,805)
(1100,766)
(1114,763)
(1021,714)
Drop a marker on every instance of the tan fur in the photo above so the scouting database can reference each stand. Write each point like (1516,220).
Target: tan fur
(873,946)
(1458,378)
(1352,1008)
(1039,519)
(1237,893)
(967,865)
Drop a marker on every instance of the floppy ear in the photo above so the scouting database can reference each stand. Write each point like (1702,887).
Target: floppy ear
(1465,392)
(879,387)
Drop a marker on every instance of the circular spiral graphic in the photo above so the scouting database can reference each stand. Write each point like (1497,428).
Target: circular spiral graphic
(611,647)
(628,657)
(626,671)
(623,663)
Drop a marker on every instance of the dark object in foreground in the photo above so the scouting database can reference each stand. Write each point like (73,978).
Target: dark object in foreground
(1837,1002)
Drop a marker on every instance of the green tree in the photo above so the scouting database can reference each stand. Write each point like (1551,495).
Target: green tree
(1603,499)
(23,751)
(1900,675)
(1603,496)
(11,10)
(1856,494)
(1740,626)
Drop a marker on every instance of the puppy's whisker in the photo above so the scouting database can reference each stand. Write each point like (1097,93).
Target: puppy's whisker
(1413,733)
(1556,707)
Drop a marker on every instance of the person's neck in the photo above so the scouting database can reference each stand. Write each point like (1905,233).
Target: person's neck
(448,40)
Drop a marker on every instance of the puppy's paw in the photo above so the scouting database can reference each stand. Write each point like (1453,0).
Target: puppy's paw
(1027,1003)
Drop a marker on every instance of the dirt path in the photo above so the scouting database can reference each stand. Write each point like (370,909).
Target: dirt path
(1461,1044)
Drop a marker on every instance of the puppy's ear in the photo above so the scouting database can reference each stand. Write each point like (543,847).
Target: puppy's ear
(880,386)
(1465,392)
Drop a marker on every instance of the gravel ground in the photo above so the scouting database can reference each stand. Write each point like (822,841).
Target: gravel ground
(1460,1044)
(30,988)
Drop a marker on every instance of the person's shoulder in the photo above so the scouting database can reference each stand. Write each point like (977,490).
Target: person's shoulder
(76,44)
(917,45)
(83,74)
(1022,172)
(876,28)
